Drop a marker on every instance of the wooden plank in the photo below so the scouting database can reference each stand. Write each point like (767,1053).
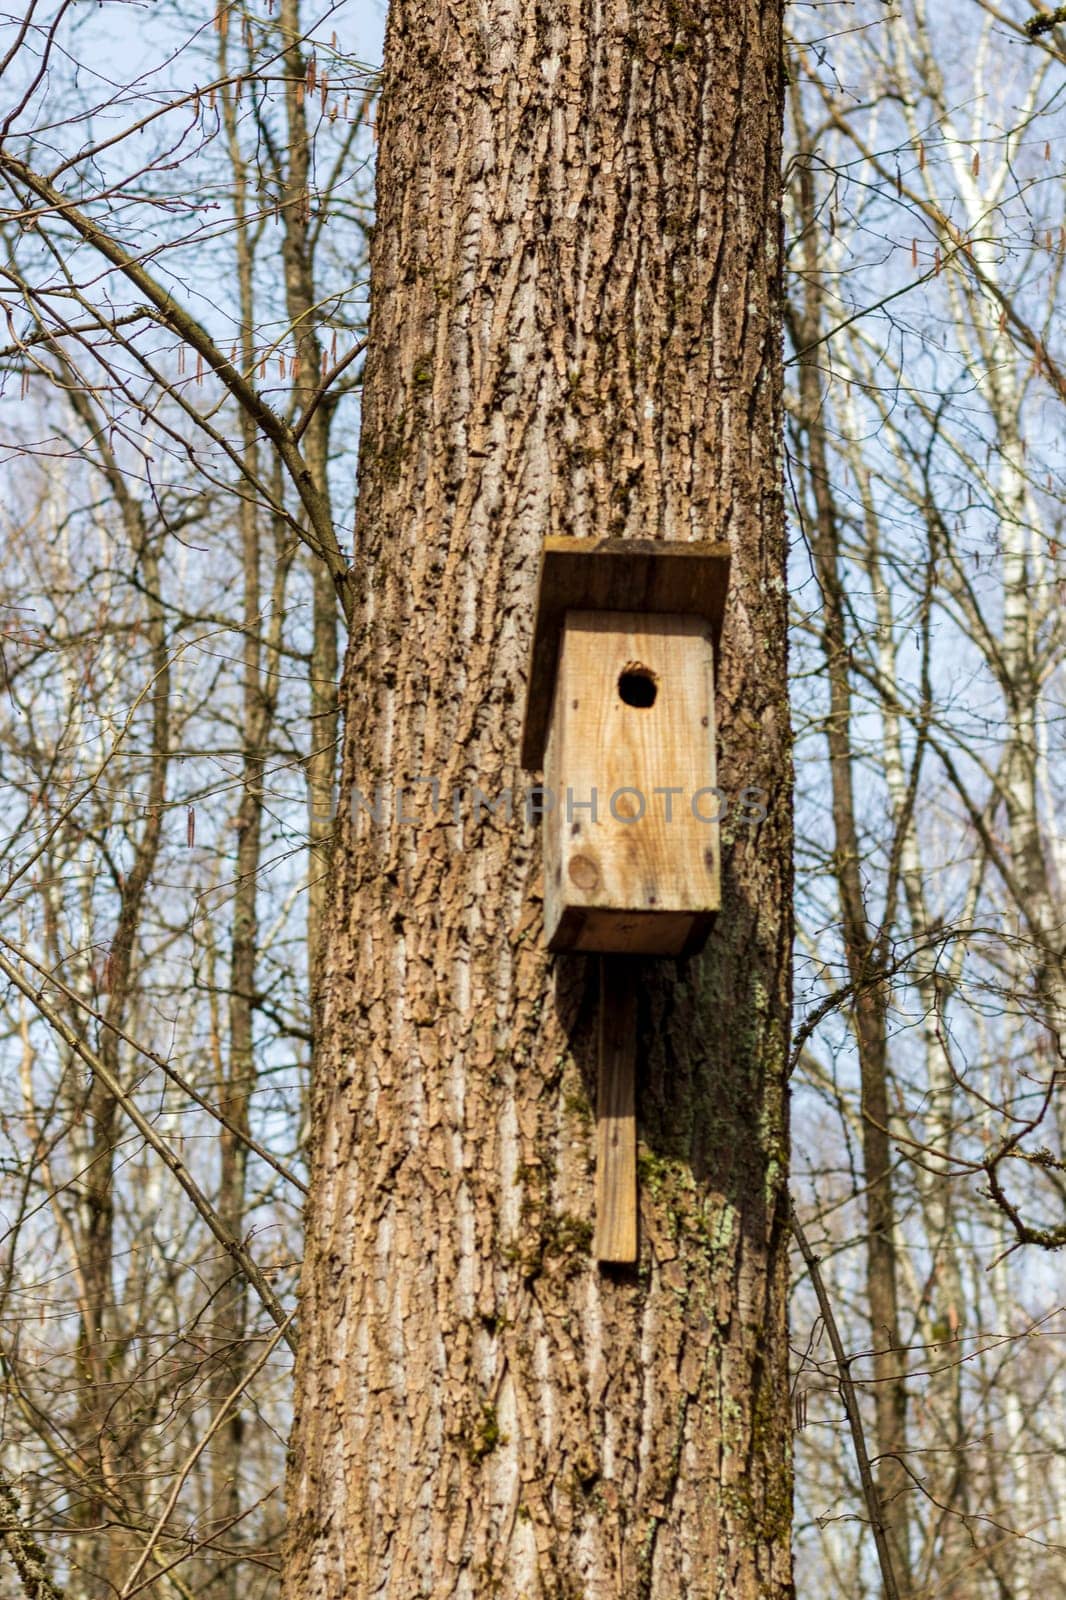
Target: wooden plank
(641,875)
(645,933)
(652,576)
(616,1114)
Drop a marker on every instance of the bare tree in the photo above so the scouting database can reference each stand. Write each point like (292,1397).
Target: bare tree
(560,344)
(175,592)
(573,329)
(924,369)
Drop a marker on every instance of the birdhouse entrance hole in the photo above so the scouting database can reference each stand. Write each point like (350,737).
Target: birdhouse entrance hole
(637,686)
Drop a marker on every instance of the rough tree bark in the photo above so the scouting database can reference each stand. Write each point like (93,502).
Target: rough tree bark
(574,330)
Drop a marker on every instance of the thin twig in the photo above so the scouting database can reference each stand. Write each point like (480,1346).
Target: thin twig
(173,1162)
(131,1586)
(851,1406)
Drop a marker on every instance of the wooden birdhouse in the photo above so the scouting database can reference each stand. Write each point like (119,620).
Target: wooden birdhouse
(620,718)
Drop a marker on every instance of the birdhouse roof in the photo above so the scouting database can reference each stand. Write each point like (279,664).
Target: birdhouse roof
(653,576)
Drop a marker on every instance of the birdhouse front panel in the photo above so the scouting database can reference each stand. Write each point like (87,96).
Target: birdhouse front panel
(631,845)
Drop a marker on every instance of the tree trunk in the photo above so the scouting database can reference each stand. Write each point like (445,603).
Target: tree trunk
(863,942)
(302,301)
(104,1402)
(574,330)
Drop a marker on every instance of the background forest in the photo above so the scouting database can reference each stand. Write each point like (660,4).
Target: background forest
(187,196)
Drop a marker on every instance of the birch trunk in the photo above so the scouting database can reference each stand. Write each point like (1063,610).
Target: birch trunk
(863,948)
(574,330)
